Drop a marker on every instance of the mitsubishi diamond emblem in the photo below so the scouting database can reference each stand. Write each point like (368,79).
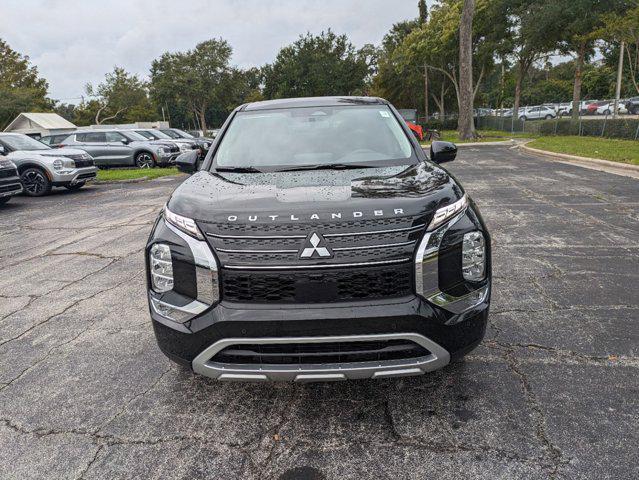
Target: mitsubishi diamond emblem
(315,246)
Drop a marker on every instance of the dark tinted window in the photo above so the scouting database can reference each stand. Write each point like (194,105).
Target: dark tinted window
(93,137)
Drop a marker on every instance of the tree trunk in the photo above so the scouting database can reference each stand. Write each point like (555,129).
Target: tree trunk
(576,89)
(202,118)
(426,92)
(465,123)
(518,81)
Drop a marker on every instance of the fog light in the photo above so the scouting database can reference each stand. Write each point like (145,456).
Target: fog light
(474,256)
(161,268)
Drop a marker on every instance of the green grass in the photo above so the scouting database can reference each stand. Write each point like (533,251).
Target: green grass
(484,136)
(615,150)
(116,174)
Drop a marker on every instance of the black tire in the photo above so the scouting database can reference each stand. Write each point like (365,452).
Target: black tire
(75,187)
(35,182)
(523,118)
(548,117)
(144,160)
(4,200)
(607,112)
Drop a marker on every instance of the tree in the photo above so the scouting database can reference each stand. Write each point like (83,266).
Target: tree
(122,96)
(623,27)
(317,65)
(423,11)
(193,81)
(465,123)
(402,89)
(21,89)
(586,18)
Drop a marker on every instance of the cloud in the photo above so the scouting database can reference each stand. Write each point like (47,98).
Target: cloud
(76,42)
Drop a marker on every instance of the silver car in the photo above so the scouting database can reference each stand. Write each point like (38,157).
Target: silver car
(41,167)
(119,148)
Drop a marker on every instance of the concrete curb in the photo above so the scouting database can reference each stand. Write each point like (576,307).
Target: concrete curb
(617,168)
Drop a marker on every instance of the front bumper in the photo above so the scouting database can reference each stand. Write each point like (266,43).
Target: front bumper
(10,186)
(73,176)
(445,331)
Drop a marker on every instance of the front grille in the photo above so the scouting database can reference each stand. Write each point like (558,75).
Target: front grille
(8,172)
(320,353)
(319,286)
(85,162)
(278,244)
(10,188)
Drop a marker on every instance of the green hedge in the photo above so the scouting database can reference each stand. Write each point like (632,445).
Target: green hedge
(626,128)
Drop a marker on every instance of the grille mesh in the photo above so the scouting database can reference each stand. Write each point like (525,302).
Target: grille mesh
(324,286)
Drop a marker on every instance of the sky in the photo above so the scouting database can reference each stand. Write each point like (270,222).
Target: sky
(74,42)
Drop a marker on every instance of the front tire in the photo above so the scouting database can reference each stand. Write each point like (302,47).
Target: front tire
(523,118)
(35,181)
(4,200)
(75,187)
(144,160)
(548,117)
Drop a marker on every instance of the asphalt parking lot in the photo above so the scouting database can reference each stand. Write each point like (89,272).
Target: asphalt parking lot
(553,392)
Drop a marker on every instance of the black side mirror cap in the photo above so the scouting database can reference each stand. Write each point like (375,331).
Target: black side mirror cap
(441,152)
(187,162)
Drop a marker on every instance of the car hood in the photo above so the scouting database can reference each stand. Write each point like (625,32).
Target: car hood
(416,190)
(54,152)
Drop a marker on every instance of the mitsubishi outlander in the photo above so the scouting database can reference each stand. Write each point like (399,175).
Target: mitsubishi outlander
(318,241)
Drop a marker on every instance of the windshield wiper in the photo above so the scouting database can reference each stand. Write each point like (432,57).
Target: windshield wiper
(238,169)
(327,166)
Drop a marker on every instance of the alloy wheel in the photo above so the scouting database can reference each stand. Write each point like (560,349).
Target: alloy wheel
(144,160)
(34,182)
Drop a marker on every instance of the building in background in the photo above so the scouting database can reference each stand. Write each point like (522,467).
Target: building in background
(38,125)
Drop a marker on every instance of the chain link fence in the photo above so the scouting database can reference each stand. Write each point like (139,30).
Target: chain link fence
(620,127)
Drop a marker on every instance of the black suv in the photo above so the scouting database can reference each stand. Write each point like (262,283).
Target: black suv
(318,242)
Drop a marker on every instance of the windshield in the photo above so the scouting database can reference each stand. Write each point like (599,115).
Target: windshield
(171,133)
(22,142)
(182,133)
(134,136)
(314,136)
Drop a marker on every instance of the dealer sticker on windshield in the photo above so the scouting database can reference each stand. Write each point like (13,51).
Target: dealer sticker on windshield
(384,113)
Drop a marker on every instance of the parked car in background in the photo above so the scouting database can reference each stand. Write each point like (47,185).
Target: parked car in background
(184,144)
(535,113)
(592,107)
(115,148)
(608,107)
(632,105)
(203,143)
(41,167)
(10,183)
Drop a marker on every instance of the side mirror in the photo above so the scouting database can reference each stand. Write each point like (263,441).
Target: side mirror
(187,162)
(441,152)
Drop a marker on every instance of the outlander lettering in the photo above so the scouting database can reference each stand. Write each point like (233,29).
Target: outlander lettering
(317,241)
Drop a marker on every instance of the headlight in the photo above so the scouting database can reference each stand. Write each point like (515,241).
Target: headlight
(187,225)
(473,256)
(161,265)
(185,147)
(445,213)
(162,150)
(63,163)
(207,145)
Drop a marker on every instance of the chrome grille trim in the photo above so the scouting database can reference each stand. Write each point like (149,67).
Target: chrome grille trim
(327,235)
(337,249)
(375,232)
(368,247)
(303,267)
